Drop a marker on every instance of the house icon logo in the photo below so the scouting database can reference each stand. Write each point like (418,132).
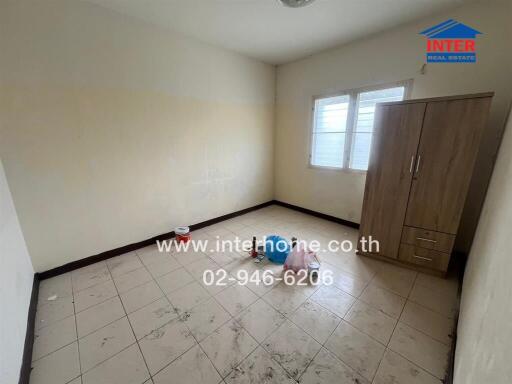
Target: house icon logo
(451,42)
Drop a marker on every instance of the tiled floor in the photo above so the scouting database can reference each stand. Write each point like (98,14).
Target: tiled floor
(147,317)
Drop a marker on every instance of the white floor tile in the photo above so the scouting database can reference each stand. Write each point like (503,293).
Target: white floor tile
(429,322)
(94,295)
(388,302)
(422,350)
(205,318)
(53,337)
(315,320)
(193,367)
(371,321)
(328,369)
(394,369)
(104,343)
(258,368)
(141,296)
(165,344)
(152,316)
(188,297)
(292,348)
(356,349)
(53,311)
(228,346)
(236,298)
(334,299)
(98,316)
(60,367)
(174,280)
(127,367)
(260,320)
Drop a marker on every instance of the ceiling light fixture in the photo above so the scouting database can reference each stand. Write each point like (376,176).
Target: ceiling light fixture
(295,3)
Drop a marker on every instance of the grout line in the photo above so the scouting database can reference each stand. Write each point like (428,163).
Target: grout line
(423,333)
(36,329)
(260,344)
(287,318)
(190,331)
(433,310)
(92,286)
(326,340)
(139,284)
(210,360)
(103,326)
(47,303)
(173,360)
(108,358)
(56,350)
(128,320)
(323,346)
(367,334)
(73,379)
(101,302)
(401,312)
(76,330)
(392,333)
(415,364)
(197,343)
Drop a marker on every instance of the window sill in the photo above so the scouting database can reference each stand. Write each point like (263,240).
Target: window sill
(335,169)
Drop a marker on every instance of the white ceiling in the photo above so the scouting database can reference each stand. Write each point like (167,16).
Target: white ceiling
(265,30)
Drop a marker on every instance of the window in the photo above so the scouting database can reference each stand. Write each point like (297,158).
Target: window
(343,126)
(329,131)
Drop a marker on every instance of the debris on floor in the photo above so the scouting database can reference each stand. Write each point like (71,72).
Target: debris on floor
(301,259)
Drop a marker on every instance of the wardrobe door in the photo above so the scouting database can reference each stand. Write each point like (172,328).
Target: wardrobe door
(388,180)
(448,148)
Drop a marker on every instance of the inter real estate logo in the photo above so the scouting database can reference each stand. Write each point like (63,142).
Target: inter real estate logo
(451,42)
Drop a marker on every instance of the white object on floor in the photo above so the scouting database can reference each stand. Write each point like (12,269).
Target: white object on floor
(181,230)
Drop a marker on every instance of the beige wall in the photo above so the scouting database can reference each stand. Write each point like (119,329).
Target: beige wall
(113,131)
(391,56)
(16,278)
(484,330)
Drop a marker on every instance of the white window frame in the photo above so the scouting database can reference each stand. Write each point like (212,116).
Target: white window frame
(351,120)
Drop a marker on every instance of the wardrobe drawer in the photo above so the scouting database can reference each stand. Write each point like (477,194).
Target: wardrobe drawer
(423,238)
(427,258)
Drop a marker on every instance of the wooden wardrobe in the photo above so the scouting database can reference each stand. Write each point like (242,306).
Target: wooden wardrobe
(422,158)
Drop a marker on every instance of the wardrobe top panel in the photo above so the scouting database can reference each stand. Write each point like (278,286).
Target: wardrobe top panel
(444,98)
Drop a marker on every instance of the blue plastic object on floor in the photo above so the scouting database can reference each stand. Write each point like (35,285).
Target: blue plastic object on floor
(277,249)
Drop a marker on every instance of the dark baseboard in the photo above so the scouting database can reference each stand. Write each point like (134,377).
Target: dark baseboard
(451,364)
(141,244)
(318,214)
(457,269)
(194,227)
(103,256)
(26,364)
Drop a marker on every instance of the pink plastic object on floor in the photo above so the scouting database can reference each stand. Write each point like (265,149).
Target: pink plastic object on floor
(299,259)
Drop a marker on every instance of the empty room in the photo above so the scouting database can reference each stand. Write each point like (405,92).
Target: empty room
(255,191)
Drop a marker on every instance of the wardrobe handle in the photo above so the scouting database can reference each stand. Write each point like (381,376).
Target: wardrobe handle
(412,164)
(418,164)
(423,239)
(422,258)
